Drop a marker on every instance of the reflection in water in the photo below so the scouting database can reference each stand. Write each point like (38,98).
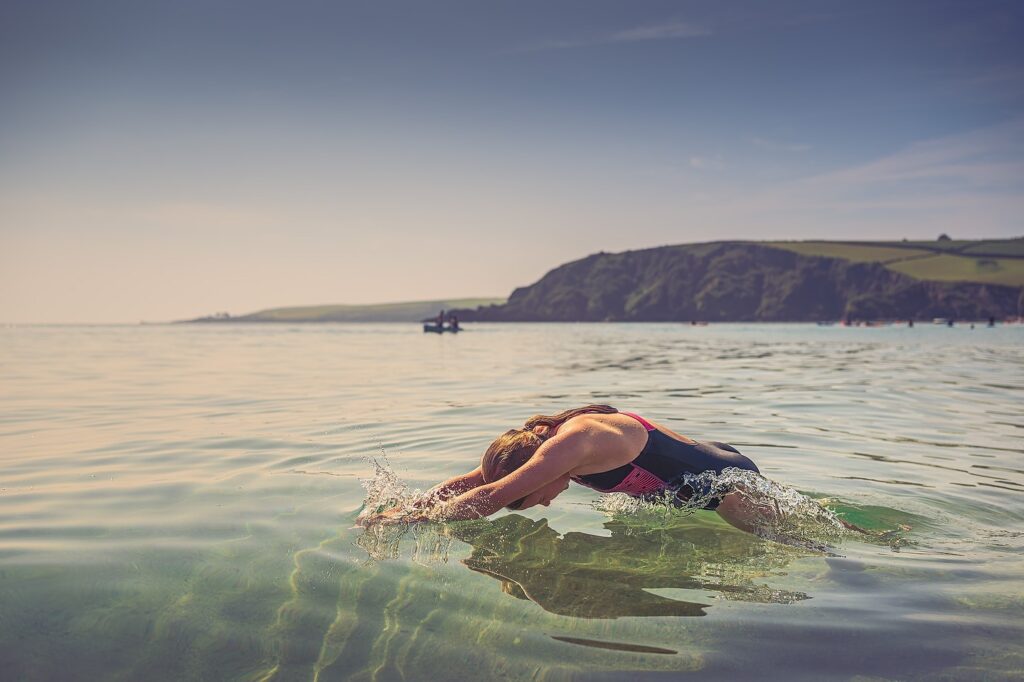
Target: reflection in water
(614,646)
(589,576)
(381,620)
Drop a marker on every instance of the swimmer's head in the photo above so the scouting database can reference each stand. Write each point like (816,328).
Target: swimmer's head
(508,452)
(515,447)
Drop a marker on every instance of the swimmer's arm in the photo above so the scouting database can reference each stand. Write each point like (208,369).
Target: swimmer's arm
(740,509)
(555,458)
(454,486)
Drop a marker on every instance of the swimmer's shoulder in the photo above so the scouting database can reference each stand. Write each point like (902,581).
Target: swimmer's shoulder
(599,424)
(615,435)
(665,430)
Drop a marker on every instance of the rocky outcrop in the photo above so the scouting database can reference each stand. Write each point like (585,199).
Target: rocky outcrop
(738,281)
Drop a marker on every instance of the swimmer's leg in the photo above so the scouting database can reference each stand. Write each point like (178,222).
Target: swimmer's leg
(741,511)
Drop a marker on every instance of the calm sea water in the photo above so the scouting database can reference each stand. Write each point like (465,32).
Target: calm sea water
(178,502)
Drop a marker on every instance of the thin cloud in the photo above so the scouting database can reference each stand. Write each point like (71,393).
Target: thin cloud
(776,146)
(707,162)
(674,30)
(971,181)
(1003,77)
(989,159)
(670,31)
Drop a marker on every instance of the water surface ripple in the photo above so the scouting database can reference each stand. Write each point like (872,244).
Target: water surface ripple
(178,502)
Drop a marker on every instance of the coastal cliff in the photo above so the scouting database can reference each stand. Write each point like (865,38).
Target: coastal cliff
(741,281)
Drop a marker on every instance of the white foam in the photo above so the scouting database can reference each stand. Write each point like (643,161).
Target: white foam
(784,514)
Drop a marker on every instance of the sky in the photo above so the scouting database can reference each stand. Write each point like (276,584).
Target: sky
(165,160)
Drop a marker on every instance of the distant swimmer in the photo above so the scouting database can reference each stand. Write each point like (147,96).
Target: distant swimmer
(598,447)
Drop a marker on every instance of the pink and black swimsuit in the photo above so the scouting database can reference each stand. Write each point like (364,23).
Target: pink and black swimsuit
(663,463)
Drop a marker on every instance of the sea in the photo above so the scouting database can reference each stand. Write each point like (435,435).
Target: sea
(180,502)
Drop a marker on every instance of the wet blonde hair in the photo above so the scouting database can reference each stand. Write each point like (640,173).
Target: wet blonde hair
(515,447)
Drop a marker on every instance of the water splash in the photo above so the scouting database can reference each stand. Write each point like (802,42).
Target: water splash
(385,490)
(776,512)
(383,541)
(424,544)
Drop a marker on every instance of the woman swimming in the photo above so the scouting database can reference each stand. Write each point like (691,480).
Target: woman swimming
(596,446)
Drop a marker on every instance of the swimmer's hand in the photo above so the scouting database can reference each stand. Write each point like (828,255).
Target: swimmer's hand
(390,517)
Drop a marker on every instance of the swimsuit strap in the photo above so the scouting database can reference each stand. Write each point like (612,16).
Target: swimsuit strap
(643,422)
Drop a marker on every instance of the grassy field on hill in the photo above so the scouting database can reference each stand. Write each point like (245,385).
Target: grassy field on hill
(851,252)
(1010,247)
(989,261)
(949,268)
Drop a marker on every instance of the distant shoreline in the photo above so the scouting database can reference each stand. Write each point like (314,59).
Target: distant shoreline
(403,311)
(874,324)
(683,323)
(734,281)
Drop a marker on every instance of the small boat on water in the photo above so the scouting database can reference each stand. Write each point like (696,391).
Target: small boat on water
(440,328)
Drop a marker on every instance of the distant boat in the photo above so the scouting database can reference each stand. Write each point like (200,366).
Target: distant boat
(440,328)
(825,324)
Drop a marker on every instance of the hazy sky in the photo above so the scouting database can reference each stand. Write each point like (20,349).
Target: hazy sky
(161,160)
